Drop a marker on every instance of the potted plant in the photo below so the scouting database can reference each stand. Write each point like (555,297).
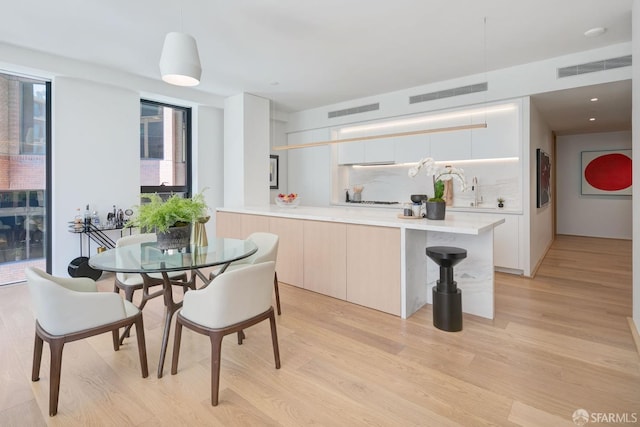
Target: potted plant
(436,205)
(500,202)
(171,219)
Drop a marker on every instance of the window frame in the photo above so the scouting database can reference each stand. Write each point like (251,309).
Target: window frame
(184,189)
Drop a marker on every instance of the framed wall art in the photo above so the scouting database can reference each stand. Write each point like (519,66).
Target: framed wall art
(606,172)
(273,171)
(543,178)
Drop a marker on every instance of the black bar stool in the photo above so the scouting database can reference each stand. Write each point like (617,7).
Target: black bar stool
(447,298)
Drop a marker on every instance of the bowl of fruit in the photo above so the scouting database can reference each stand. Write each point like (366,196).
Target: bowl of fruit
(290,200)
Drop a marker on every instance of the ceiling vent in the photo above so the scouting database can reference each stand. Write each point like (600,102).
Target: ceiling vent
(448,93)
(354,110)
(593,67)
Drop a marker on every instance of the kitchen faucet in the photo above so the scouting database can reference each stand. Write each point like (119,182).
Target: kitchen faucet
(477,199)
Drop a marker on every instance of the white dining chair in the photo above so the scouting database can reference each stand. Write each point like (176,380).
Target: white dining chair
(70,309)
(267,244)
(234,301)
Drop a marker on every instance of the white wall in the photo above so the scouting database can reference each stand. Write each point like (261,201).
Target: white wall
(208,156)
(541,219)
(636,164)
(95,139)
(96,156)
(246,150)
(597,216)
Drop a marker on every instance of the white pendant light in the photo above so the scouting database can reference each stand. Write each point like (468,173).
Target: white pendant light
(180,62)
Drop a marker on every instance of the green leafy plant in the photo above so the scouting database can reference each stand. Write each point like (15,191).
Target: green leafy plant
(176,211)
(438,191)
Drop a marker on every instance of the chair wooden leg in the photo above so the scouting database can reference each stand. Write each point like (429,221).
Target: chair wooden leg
(216,352)
(241,337)
(142,346)
(116,339)
(56,346)
(274,339)
(37,358)
(176,347)
(275,287)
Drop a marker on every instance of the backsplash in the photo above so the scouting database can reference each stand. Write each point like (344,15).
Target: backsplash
(496,178)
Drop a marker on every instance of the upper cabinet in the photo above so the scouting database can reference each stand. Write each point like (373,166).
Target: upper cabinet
(501,137)
(410,149)
(453,145)
(370,151)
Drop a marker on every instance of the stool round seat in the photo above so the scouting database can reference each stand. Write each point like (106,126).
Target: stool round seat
(447,298)
(446,256)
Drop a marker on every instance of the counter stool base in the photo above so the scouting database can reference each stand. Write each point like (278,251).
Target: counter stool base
(447,310)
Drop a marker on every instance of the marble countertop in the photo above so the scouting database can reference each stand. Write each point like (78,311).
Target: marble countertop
(454,222)
(398,207)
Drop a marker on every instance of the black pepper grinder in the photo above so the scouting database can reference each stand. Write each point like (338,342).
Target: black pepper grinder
(347,196)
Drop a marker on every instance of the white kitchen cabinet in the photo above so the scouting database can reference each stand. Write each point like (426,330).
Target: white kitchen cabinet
(371,151)
(449,146)
(351,153)
(379,151)
(410,149)
(506,243)
(501,137)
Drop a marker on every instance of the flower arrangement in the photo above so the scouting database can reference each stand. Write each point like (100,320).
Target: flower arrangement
(439,176)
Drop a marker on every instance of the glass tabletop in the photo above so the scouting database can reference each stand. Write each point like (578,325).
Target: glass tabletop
(146,258)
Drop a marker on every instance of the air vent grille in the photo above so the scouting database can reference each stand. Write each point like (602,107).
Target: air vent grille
(593,67)
(448,93)
(354,110)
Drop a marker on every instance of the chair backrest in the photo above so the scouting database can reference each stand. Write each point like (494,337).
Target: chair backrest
(132,240)
(232,297)
(267,248)
(52,299)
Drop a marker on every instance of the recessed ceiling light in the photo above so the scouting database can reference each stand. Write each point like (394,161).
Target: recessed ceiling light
(594,99)
(592,119)
(595,32)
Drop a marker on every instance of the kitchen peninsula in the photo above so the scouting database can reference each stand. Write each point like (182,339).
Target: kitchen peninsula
(370,256)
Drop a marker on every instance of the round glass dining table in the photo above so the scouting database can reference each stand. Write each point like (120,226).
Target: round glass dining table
(146,258)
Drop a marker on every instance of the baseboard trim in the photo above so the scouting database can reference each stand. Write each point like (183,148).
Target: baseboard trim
(634,333)
(534,271)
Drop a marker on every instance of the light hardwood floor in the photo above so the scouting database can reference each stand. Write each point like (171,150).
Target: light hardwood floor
(558,343)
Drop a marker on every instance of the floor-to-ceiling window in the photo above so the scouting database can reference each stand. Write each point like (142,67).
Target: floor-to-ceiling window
(165,146)
(24,135)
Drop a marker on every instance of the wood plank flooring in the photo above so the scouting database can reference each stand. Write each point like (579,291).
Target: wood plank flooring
(559,342)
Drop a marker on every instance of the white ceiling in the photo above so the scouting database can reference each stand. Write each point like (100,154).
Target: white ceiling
(320,52)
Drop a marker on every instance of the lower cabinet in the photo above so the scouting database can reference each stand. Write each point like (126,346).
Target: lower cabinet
(290,263)
(229,225)
(325,258)
(356,263)
(506,243)
(373,267)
